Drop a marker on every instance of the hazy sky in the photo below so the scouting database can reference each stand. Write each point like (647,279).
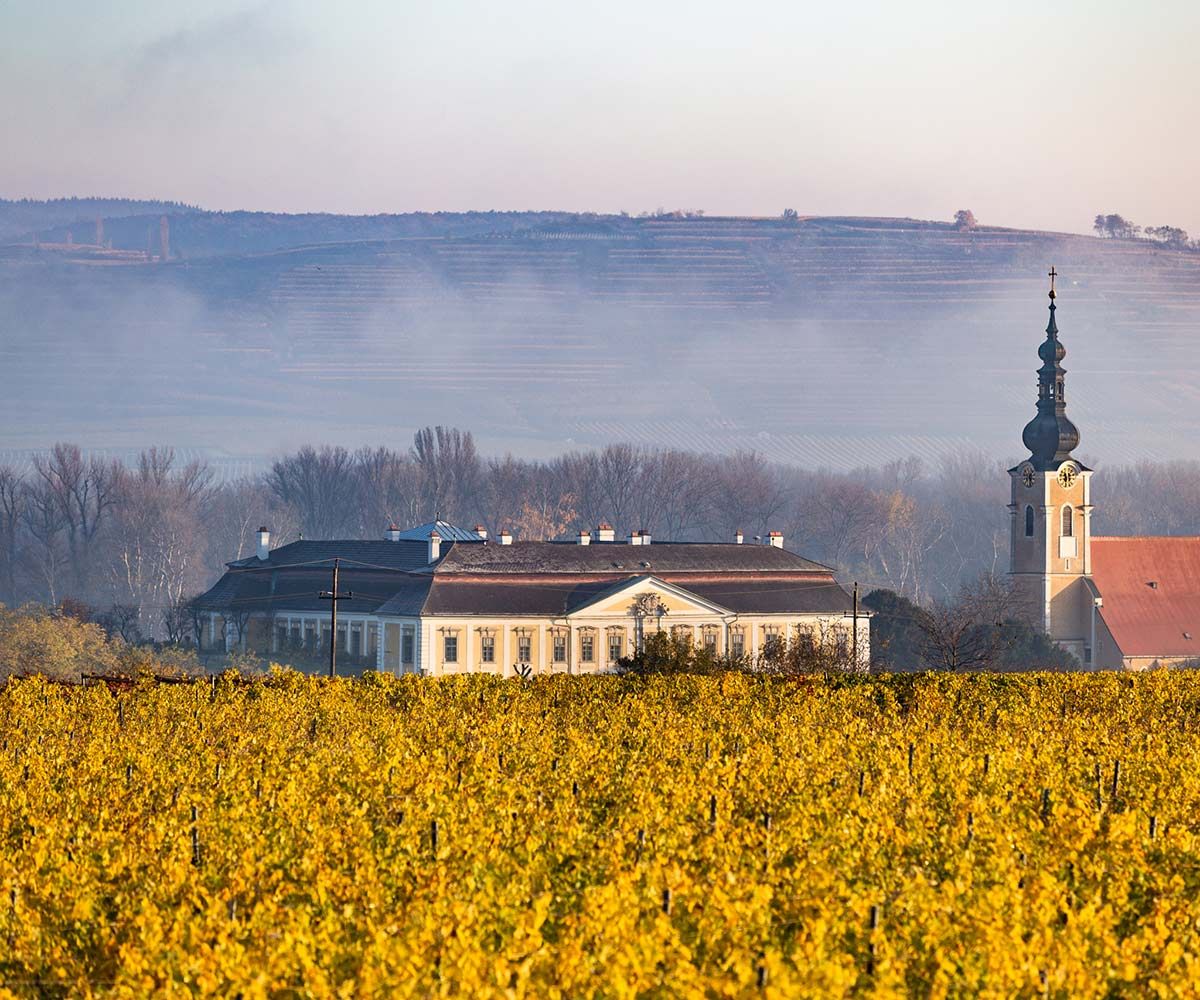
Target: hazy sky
(1036,115)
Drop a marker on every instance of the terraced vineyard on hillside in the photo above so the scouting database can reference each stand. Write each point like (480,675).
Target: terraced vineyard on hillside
(824,342)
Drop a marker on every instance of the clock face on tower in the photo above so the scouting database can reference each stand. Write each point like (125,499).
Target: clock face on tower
(1066,476)
(1027,476)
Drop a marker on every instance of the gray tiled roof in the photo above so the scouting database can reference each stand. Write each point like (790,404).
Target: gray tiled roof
(399,556)
(394,578)
(657,558)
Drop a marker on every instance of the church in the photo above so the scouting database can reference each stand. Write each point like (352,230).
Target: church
(1115,603)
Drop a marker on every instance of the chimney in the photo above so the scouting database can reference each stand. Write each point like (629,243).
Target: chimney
(738,537)
(776,539)
(585,537)
(505,536)
(264,544)
(393,533)
(605,533)
(481,531)
(645,536)
(435,546)
(635,538)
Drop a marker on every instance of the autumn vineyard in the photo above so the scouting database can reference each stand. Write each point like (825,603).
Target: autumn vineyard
(1015,835)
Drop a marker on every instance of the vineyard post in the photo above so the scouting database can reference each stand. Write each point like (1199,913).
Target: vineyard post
(333,596)
(872,925)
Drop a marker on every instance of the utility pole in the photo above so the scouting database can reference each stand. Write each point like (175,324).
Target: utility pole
(854,634)
(333,596)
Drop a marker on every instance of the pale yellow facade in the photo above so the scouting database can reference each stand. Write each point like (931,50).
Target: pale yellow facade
(593,639)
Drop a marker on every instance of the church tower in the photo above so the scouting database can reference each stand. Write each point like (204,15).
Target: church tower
(1050,557)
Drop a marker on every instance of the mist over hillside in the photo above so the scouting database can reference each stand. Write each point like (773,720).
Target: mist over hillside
(834,342)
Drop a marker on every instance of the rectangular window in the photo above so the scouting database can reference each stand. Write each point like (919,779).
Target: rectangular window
(737,643)
(710,641)
(407,642)
(560,648)
(587,648)
(487,652)
(356,641)
(524,649)
(614,646)
(450,649)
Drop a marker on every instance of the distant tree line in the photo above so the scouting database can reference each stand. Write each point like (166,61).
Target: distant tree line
(1116,227)
(134,541)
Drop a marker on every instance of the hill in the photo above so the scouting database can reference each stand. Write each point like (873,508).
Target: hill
(825,341)
(25,218)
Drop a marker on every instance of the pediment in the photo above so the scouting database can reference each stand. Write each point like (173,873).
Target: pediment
(644,595)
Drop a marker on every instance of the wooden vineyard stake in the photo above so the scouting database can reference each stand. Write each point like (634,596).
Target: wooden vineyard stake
(872,926)
(666,901)
(195,839)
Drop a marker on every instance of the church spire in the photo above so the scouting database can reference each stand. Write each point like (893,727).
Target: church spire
(1050,436)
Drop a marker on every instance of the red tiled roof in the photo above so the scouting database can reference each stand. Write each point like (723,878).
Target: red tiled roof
(1151,592)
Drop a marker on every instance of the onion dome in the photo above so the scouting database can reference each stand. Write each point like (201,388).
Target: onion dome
(1051,436)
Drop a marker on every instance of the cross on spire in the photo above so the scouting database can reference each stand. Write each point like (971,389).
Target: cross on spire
(1053,274)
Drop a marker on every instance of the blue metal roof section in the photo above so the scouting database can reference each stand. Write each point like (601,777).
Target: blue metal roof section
(448,531)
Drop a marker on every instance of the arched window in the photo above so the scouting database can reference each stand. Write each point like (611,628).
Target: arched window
(1068,526)
(1028,521)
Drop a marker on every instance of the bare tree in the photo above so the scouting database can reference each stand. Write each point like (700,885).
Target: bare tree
(46,526)
(177,621)
(123,620)
(198,617)
(84,492)
(239,616)
(320,486)
(388,485)
(450,471)
(12,507)
(618,474)
(676,491)
(974,630)
(156,539)
(747,494)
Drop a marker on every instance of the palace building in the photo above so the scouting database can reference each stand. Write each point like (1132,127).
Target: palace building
(440,600)
(1113,602)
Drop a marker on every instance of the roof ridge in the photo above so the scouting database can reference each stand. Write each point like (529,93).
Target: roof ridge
(1146,538)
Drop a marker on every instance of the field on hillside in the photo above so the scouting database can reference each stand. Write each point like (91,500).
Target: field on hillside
(722,836)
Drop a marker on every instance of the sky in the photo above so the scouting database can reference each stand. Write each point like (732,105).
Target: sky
(1030,114)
